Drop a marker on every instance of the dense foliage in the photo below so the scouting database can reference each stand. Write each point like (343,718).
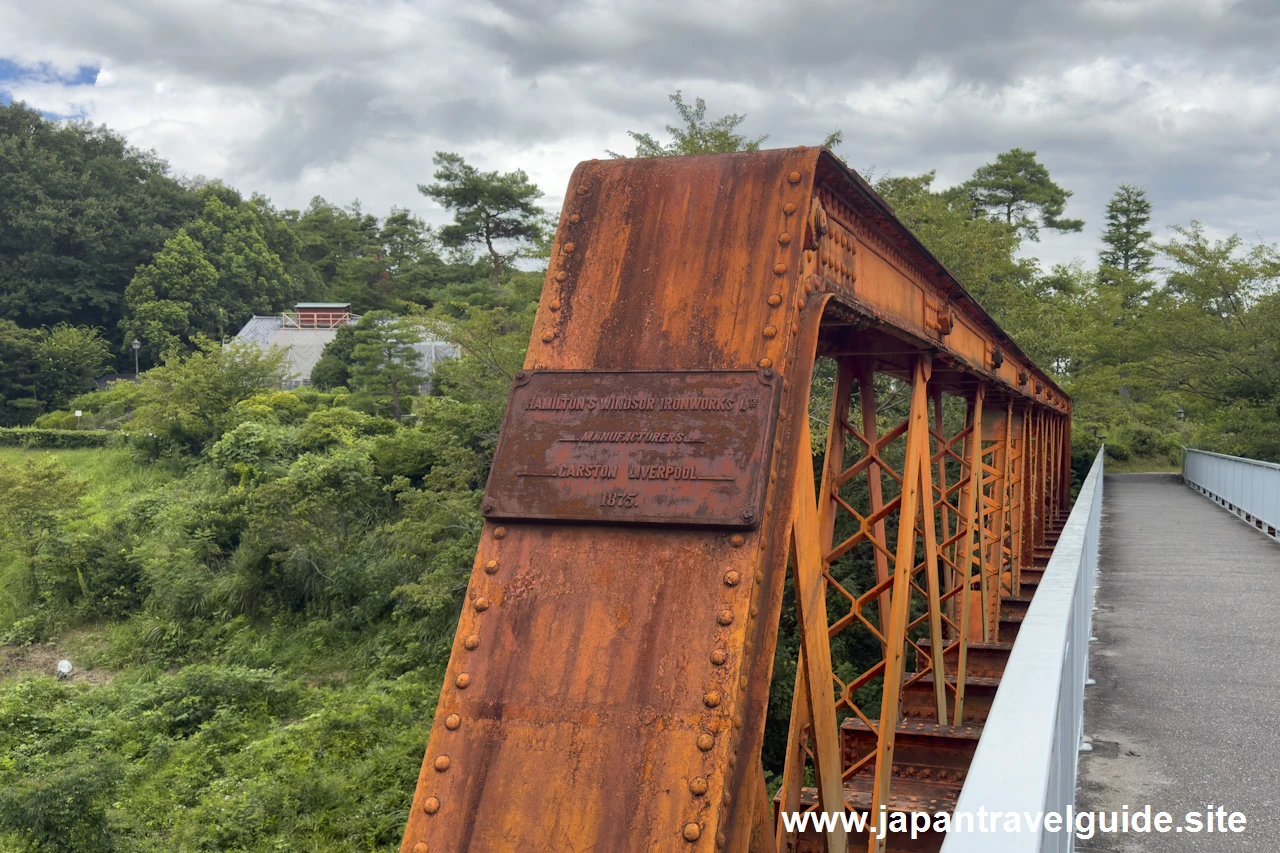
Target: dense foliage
(259,587)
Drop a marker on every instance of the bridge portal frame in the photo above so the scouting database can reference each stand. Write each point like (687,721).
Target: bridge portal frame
(609,683)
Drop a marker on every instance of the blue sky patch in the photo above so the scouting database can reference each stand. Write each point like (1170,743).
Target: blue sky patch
(10,71)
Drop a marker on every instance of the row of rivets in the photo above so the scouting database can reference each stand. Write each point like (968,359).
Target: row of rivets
(453,722)
(561,276)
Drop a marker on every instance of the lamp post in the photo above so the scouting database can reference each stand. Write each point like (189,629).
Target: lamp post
(137,345)
(1181,415)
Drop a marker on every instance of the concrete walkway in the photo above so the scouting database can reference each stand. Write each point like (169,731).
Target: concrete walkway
(1186,711)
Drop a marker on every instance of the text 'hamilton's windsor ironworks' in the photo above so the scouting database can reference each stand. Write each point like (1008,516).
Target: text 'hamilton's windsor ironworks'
(656,483)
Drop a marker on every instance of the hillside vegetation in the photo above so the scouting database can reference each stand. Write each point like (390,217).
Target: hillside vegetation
(259,588)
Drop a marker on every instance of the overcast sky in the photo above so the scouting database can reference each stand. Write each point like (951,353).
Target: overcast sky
(296,98)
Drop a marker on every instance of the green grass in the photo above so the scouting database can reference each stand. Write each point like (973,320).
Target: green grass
(112,474)
(1159,464)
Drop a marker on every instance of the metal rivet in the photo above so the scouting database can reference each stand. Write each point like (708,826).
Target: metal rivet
(733,759)
(794,178)
(419,848)
(759,577)
(452,722)
(568,248)
(755,611)
(499,532)
(442,764)
(769,331)
(737,722)
(548,337)
(736,540)
(719,657)
(779,269)
(486,506)
(472,643)
(711,699)
(788,208)
(431,805)
(575,218)
(775,300)
(463,681)
(706,742)
(784,238)
(692,832)
(726,797)
(742,682)
(491,567)
(698,786)
(554,305)
(720,839)
(481,604)
(725,617)
(732,578)
(562,276)
(766,362)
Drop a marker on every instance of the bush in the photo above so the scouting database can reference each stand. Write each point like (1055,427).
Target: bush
(54,439)
(57,420)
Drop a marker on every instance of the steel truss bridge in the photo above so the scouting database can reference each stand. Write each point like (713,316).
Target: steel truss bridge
(755,406)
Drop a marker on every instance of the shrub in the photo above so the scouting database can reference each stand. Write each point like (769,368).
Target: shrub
(54,439)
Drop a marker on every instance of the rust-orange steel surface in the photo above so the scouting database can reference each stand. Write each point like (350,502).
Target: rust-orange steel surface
(654,485)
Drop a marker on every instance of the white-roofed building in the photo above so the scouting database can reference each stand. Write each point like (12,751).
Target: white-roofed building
(302,334)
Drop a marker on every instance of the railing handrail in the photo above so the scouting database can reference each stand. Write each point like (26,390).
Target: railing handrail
(1250,488)
(1258,462)
(1026,758)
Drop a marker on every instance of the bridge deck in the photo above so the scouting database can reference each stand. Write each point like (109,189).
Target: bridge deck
(1187,706)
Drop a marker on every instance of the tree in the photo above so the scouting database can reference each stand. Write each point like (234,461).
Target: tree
(333,369)
(385,366)
(80,210)
(1127,236)
(70,359)
(1018,189)
(186,403)
(172,299)
(19,371)
(489,208)
(697,135)
(251,277)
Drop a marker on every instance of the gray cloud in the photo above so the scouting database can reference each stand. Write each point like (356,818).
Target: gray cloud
(299,97)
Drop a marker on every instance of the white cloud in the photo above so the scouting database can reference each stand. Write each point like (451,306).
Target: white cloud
(351,99)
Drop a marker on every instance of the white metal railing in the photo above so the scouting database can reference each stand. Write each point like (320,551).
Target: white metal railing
(1026,758)
(1247,487)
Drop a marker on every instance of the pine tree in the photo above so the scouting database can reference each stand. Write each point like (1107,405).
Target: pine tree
(385,366)
(1017,188)
(1127,236)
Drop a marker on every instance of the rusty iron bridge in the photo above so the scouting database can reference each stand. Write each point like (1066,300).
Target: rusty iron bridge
(752,399)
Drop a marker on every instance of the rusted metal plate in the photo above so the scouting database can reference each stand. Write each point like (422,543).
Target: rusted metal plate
(685,447)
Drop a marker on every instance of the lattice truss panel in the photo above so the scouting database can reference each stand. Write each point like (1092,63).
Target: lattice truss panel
(958,466)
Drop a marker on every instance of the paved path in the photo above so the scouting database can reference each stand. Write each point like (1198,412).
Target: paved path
(1187,706)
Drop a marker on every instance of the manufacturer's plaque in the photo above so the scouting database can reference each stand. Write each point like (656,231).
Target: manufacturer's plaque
(670,447)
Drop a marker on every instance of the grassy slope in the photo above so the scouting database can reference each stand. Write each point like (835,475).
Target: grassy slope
(302,742)
(111,473)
